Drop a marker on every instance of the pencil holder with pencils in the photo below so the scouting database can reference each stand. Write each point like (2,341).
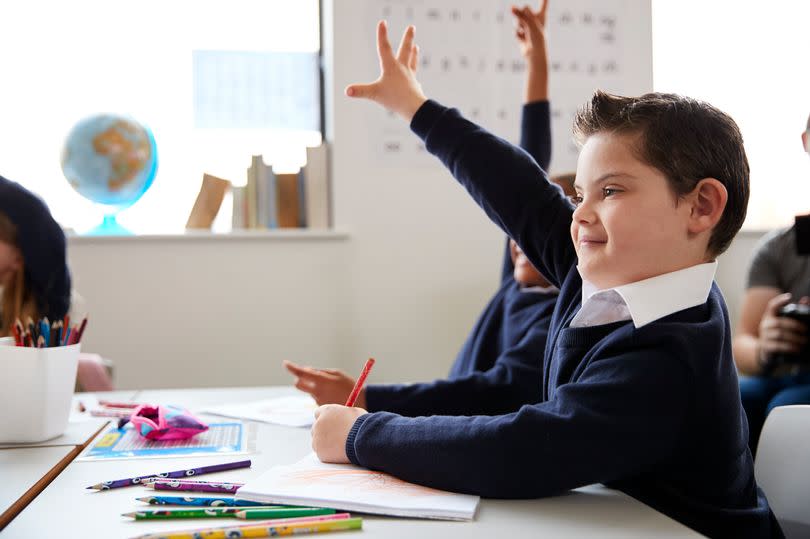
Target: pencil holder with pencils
(36,389)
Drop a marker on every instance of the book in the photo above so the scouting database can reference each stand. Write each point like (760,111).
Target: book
(317,187)
(209,200)
(287,200)
(312,483)
(251,193)
(238,220)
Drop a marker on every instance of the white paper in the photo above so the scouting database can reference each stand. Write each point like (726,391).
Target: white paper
(310,482)
(293,411)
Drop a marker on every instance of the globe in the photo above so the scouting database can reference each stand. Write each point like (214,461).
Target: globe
(111,160)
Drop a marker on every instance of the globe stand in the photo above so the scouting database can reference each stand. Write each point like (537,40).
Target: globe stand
(109,227)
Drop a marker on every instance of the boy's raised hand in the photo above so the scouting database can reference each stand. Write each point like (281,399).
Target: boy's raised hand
(330,431)
(397,88)
(327,386)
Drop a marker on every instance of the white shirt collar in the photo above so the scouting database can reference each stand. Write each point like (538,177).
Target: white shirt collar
(648,300)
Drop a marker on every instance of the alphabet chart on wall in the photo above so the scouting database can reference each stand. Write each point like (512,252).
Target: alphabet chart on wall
(470,59)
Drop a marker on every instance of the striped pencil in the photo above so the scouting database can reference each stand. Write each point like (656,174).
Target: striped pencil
(270,528)
(194,501)
(189,472)
(193,486)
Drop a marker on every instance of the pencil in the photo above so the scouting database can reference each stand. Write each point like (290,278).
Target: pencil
(189,472)
(360,381)
(80,331)
(199,501)
(198,512)
(269,528)
(193,486)
(280,512)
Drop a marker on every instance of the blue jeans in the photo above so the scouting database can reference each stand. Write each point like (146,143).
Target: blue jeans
(760,395)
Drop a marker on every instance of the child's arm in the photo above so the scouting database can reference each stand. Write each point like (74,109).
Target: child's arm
(504,180)
(513,381)
(535,120)
(623,416)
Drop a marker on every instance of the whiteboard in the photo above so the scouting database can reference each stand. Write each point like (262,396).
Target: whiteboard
(470,60)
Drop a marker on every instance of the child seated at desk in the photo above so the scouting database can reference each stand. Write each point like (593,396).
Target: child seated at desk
(639,389)
(34,275)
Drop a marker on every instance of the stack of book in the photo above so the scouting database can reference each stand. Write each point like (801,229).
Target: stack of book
(275,200)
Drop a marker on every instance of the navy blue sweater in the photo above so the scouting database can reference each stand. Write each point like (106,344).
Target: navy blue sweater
(654,411)
(501,357)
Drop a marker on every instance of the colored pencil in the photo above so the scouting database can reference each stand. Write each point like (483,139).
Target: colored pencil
(114,404)
(193,486)
(80,331)
(360,381)
(190,472)
(281,512)
(18,338)
(195,501)
(197,512)
(265,529)
(102,412)
(45,330)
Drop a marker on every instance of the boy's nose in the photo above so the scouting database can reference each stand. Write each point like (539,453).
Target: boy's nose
(584,213)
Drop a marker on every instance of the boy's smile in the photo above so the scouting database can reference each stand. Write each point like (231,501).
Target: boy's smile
(628,225)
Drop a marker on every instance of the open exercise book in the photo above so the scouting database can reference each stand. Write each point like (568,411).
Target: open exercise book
(310,482)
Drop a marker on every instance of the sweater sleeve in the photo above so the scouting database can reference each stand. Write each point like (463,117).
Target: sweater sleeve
(535,138)
(507,183)
(622,417)
(513,381)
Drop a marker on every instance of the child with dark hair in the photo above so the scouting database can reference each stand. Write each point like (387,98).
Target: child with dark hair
(34,276)
(639,389)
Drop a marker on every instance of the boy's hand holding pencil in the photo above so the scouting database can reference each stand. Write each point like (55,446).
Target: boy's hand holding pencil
(333,423)
(397,88)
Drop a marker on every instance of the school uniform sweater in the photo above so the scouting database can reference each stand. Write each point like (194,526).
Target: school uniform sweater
(653,411)
(498,367)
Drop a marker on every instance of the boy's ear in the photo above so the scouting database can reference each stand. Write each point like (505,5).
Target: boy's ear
(708,200)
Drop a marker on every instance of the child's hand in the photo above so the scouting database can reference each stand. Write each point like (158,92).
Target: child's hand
(530,33)
(330,431)
(327,386)
(397,88)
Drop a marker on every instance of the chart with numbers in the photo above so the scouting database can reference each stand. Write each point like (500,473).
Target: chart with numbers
(470,59)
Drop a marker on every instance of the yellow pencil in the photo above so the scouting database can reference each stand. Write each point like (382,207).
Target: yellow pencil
(267,529)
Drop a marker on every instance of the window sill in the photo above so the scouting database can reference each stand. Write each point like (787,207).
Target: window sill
(289,234)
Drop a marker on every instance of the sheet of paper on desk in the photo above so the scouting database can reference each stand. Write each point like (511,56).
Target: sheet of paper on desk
(310,482)
(220,439)
(292,411)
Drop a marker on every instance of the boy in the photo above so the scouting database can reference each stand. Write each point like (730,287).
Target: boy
(499,364)
(639,388)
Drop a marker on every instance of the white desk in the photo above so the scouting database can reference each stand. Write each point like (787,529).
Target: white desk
(593,511)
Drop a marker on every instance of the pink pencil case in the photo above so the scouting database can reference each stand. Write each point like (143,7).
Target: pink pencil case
(165,422)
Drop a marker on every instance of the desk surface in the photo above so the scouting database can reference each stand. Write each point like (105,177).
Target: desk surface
(593,511)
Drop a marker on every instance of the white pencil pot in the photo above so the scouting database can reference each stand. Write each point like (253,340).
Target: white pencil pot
(36,388)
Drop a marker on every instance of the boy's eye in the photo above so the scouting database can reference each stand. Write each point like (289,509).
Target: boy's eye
(576,200)
(608,191)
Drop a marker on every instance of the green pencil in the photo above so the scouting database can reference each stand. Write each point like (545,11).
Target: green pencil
(208,512)
(281,512)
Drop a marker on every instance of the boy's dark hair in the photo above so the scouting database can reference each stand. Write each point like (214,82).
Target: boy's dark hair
(808,122)
(686,139)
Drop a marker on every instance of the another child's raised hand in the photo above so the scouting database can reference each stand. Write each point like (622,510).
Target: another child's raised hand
(530,32)
(397,88)
(327,386)
(330,431)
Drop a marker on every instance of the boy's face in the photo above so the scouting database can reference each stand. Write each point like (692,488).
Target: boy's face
(628,225)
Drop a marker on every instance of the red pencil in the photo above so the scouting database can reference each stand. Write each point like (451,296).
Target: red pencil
(360,381)
(80,331)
